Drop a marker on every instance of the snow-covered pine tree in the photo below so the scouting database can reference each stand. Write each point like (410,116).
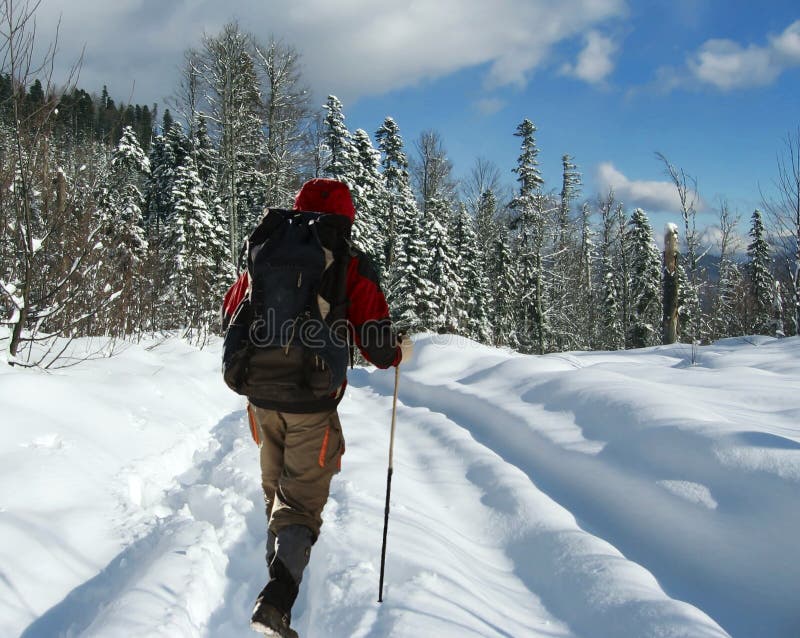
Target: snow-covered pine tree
(369,197)
(440,311)
(206,160)
(123,235)
(190,246)
(624,275)
(167,152)
(129,166)
(166,120)
(760,279)
(178,144)
(401,207)
(585,308)
(474,302)
(338,141)
(611,335)
(159,187)
(529,176)
(612,326)
(486,223)
(502,269)
(645,323)
(529,205)
(410,293)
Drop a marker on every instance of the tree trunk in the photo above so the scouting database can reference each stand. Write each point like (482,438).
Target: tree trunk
(670,285)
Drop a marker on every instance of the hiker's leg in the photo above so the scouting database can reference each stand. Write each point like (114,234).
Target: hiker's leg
(313,446)
(272,434)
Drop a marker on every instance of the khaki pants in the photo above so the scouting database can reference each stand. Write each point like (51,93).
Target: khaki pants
(300,453)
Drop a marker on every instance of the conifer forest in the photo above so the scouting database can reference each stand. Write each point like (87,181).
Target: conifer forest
(118,219)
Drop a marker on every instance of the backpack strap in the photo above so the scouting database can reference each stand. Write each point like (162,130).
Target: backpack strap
(333,234)
(272,220)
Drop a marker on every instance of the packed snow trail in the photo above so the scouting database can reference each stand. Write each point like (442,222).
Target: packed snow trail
(473,543)
(86,455)
(590,495)
(165,582)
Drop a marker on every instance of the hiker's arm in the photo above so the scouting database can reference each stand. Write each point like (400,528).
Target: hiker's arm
(233,298)
(368,315)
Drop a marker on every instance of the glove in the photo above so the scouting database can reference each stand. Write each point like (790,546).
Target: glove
(406,349)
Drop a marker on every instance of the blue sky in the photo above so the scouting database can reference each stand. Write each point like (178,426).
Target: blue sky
(712,84)
(727,138)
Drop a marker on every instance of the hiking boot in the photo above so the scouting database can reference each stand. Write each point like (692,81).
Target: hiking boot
(272,614)
(270,620)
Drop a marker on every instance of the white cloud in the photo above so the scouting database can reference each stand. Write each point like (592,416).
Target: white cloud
(653,196)
(728,65)
(595,61)
(351,47)
(490,105)
(712,237)
(786,46)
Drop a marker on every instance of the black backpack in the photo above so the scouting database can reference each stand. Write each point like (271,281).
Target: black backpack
(288,344)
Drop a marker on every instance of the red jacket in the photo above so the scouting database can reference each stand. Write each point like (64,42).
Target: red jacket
(367,312)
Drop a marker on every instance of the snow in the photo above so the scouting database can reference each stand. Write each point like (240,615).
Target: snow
(599,494)
(10,289)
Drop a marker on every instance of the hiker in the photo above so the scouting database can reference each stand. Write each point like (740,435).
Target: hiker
(310,272)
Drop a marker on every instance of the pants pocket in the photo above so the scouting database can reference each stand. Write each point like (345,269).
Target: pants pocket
(254,432)
(332,447)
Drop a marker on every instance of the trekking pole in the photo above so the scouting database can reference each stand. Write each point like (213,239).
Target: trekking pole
(388,482)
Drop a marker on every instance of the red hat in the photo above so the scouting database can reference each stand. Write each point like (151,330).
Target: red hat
(326,196)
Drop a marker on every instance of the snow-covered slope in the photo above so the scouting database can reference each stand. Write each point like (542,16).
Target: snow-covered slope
(581,494)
